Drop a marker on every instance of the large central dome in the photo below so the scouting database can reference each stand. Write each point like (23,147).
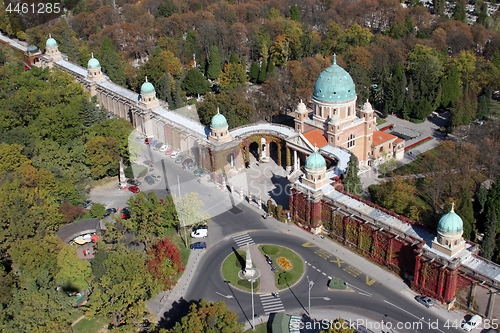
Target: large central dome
(334,84)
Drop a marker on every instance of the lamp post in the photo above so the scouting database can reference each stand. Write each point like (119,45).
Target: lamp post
(253,308)
(310,285)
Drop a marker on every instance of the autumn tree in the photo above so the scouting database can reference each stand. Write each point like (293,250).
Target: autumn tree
(102,156)
(232,76)
(206,317)
(165,263)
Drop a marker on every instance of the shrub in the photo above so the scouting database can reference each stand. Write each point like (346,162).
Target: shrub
(283,262)
(269,249)
(337,283)
(284,277)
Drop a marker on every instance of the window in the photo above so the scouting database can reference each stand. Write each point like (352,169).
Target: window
(352,141)
(348,111)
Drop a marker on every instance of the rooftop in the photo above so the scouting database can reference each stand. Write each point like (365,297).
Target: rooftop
(315,138)
(380,137)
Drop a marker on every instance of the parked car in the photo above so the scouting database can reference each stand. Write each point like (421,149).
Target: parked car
(125,213)
(87,204)
(133,181)
(179,159)
(174,154)
(164,148)
(155,176)
(191,166)
(149,180)
(158,145)
(199,246)
(134,189)
(199,173)
(200,231)
(109,211)
(472,323)
(169,151)
(153,142)
(427,301)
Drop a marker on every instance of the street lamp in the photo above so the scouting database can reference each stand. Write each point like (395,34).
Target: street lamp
(310,284)
(253,308)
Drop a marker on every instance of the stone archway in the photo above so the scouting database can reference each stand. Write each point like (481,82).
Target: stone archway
(230,159)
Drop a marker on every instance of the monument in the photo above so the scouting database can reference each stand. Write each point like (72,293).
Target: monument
(248,272)
(123,180)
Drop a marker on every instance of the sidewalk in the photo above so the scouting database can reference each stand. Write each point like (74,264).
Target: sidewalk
(267,284)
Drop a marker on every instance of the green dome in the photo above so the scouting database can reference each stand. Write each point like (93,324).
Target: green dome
(218,121)
(50,42)
(315,161)
(450,223)
(147,87)
(31,49)
(93,63)
(334,84)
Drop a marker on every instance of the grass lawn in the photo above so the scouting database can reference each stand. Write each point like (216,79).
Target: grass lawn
(262,328)
(417,166)
(90,325)
(230,268)
(297,270)
(381,121)
(179,242)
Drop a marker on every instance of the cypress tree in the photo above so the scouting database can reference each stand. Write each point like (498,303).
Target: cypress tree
(294,13)
(488,244)
(459,13)
(263,72)
(466,212)
(234,58)
(270,69)
(351,180)
(214,63)
(254,72)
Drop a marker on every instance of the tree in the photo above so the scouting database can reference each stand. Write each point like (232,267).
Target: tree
(263,72)
(482,196)
(254,72)
(459,13)
(351,180)
(195,83)
(98,210)
(73,273)
(466,212)
(190,210)
(209,317)
(166,9)
(451,87)
(232,76)
(493,201)
(102,156)
(396,91)
(165,263)
(339,326)
(121,293)
(294,13)
(214,63)
(3,57)
(488,244)
(111,62)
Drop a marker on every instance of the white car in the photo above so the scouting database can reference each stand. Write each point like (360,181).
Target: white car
(200,232)
(174,154)
(472,323)
(164,147)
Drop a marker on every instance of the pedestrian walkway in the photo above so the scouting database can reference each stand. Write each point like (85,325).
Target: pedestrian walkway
(267,279)
(271,304)
(243,239)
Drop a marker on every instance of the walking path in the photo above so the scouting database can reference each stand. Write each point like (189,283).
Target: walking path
(267,284)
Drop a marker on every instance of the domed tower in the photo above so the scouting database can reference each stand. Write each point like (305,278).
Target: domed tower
(334,94)
(301,115)
(219,129)
(148,95)
(52,50)
(315,176)
(449,238)
(94,72)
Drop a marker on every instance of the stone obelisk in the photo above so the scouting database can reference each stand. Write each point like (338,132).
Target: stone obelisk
(248,272)
(123,180)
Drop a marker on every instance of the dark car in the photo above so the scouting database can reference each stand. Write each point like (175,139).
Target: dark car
(179,159)
(134,189)
(199,173)
(133,181)
(125,213)
(109,211)
(427,301)
(87,204)
(149,180)
(199,246)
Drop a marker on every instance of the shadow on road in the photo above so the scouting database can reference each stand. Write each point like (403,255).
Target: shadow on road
(237,301)
(180,308)
(298,301)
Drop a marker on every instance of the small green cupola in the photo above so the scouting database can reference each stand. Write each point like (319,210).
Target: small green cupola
(218,121)
(450,223)
(93,63)
(315,161)
(147,87)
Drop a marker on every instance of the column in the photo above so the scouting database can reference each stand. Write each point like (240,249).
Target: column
(451,285)
(279,154)
(294,160)
(440,284)
(416,273)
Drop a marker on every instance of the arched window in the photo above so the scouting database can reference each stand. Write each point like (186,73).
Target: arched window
(352,141)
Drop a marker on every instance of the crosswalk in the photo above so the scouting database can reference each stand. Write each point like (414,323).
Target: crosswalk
(243,239)
(271,304)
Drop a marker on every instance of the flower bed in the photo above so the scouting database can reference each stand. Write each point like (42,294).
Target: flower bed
(418,143)
(283,262)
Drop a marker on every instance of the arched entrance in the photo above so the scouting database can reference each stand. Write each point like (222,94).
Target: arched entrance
(274,152)
(254,150)
(230,159)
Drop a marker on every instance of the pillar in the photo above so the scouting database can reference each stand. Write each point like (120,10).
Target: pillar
(260,203)
(451,285)
(279,147)
(287,156)
(388,255)
(417,273)
(294,160)
(440,284)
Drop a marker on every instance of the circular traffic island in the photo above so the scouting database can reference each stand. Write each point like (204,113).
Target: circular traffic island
(232,267)
(287,265)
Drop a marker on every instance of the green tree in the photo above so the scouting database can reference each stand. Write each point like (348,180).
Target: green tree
(396,91)
(121,293)
(482,196)
(254,72)
(484,104)
(263,72)
(111,63)
(3,57)
(214,63)
(209,317)
(488,244)
(166,9)
(339,326)
(195,83)
(294,13)
(493,201)
(451,87)
(190,210)
(466,212)
(102,156)
(232,76)
(164,89)
(98,210)
(351,180)
(72,272)
(459,13)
